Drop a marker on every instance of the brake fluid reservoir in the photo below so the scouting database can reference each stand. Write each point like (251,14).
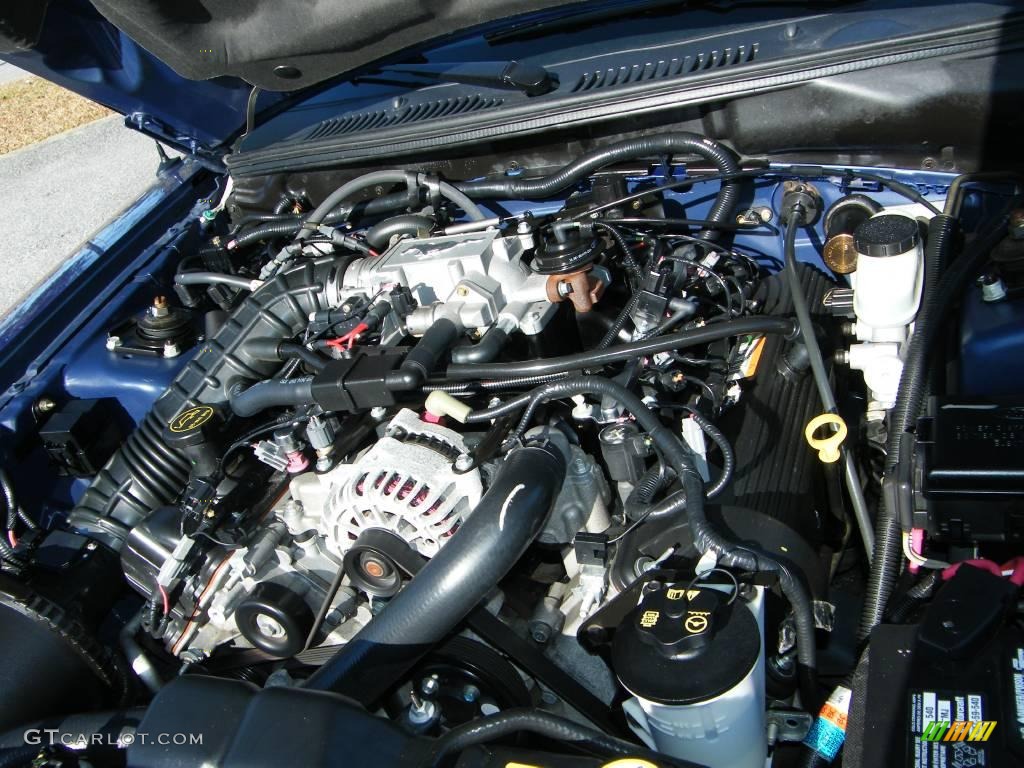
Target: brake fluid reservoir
(890,270)
(694,663)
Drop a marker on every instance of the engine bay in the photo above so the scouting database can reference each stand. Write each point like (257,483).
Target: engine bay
(640,457)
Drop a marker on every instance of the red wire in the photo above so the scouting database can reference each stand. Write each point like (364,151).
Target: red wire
(348,340)
(12,538)
(167,600)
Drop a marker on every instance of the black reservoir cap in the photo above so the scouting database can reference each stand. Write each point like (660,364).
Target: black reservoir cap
(888,235)
(685,645)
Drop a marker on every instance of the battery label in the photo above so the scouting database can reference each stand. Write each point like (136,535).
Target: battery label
(1017,676)
(948,729)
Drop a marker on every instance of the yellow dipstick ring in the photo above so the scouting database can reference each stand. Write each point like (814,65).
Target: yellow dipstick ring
(827,447)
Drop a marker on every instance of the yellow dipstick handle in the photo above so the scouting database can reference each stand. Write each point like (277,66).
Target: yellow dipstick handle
(827,447)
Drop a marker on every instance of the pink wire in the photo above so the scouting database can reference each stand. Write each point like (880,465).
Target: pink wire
(1017,566)
(167,600)
(12,538)
(985,565)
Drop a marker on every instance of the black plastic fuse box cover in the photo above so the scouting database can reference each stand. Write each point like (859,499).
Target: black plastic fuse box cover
(970,469)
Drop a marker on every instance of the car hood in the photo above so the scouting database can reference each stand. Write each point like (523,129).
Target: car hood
(183,71)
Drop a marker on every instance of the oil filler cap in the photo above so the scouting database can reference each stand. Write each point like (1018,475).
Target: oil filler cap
(685,645)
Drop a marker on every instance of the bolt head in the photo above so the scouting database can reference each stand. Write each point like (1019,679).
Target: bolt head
(463,462)
(171,349)
(45,405)
(430,685)
(113,342)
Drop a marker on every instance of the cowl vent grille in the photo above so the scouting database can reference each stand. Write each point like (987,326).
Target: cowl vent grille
(414,113)
(666,68)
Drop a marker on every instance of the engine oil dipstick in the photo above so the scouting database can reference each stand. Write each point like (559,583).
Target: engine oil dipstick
(827,447)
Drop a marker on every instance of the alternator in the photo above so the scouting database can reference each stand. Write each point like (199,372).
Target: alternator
(405,484)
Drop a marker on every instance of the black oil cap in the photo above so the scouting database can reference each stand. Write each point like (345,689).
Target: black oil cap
(888,235)
(685,645)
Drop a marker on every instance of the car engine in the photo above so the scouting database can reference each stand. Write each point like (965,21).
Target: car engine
(633,456)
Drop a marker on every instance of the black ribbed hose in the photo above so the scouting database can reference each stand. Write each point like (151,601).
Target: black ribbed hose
(619,322)
(145,473)
(629,149)
(454,582)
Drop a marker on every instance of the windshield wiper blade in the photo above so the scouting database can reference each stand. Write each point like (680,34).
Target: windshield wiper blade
(531,79)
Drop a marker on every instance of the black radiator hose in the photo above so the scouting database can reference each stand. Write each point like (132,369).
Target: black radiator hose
(630,149)
(145,473)
(490,541)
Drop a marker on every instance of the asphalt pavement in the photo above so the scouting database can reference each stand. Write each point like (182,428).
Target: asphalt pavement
(57,193)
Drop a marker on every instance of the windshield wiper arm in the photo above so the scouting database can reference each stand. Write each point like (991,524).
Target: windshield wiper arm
(531,79)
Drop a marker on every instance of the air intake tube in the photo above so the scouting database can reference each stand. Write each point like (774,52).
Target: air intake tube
(146,473)
(454,582)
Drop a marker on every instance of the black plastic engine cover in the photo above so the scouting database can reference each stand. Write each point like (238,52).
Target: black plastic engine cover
(777,473)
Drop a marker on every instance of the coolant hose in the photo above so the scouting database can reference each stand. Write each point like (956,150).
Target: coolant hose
(454,582)
(349,188)
(287,226)
(620,352)
(630,149)
(380,234)
(272,394)
(424,357)
(146,473)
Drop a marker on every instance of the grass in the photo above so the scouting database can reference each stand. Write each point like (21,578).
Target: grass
(34,109)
